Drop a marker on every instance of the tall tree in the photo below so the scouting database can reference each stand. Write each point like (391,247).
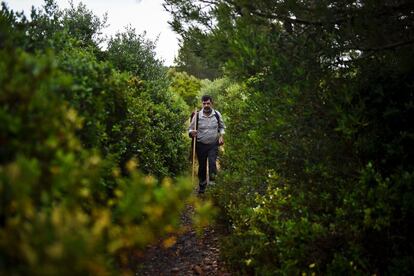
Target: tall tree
(322,130)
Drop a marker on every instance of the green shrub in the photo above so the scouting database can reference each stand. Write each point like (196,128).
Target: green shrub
(74,134)
(55,216)
(187,87)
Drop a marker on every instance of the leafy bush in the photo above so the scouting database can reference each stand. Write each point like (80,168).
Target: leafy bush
(299,198)
(187,87)
(122,117)
(124,111)
(133,53)
(318,158)
(50,184)
(74,134)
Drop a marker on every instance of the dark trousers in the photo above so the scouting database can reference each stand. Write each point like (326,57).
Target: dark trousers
(204,152)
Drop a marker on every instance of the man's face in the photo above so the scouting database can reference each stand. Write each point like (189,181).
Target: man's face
(207,105)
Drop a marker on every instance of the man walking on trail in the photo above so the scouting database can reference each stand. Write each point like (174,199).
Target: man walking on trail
(208,128)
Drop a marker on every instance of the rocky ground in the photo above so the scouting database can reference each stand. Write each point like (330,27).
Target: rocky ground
(192,254)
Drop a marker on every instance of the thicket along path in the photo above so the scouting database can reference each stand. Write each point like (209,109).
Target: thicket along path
(190,255)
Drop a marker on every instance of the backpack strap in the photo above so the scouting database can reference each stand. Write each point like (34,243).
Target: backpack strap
(218,120)
(217,117)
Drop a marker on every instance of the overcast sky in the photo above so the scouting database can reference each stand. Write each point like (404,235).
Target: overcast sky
(143,15)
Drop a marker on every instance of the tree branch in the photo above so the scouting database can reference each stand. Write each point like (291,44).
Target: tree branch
(386,47)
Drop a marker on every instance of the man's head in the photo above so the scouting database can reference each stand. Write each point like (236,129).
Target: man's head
(207,102)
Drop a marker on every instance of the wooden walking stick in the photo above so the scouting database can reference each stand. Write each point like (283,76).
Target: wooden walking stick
(194,147)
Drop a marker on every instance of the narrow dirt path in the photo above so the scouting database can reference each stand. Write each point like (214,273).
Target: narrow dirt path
(190,255)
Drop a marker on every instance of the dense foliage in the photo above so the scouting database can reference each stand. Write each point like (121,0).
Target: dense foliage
(318,159)
(196,55)
(79,127)
(187,87)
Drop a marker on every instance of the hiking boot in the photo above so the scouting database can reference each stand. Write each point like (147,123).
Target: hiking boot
(202,188)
